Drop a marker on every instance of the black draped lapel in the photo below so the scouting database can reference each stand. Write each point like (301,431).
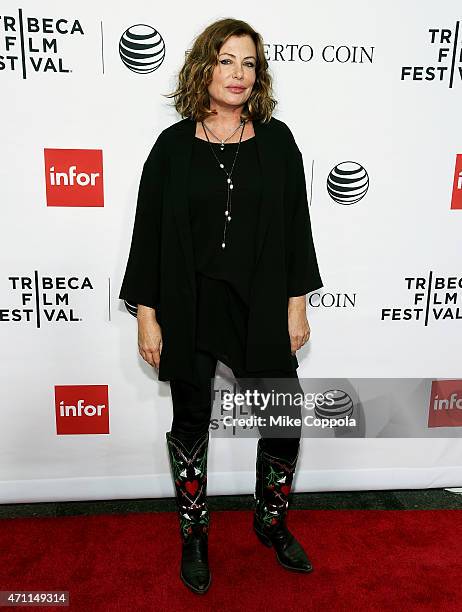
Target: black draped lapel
(181,160)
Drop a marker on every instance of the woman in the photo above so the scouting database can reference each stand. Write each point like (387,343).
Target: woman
(220,261)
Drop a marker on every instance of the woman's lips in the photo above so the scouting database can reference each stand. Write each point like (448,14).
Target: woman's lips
(236,89)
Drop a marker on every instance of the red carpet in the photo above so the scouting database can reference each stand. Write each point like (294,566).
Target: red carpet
(363,560)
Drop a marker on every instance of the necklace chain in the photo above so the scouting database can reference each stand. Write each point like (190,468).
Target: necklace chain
(229,181)
(217,137)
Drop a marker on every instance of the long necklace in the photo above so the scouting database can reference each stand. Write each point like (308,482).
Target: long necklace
(242,122)
(229,182)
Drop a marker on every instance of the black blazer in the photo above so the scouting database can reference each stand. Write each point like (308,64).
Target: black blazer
(160,270)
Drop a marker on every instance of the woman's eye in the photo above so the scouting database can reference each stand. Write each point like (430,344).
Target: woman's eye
(249,64)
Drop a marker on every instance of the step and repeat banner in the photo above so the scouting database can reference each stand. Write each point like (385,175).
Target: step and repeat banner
(372,93)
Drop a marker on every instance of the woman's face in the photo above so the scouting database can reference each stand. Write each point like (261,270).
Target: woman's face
(236,68)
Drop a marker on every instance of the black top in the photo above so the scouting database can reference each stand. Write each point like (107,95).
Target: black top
(161,258)
(207,199)
(222,322)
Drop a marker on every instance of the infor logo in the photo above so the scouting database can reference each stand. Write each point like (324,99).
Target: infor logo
(74,177)
(81,409)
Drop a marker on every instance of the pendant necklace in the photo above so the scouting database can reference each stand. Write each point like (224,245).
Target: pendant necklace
(222,145)
(229,181)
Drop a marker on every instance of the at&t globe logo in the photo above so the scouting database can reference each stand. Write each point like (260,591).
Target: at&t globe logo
(347,182)
(142,48)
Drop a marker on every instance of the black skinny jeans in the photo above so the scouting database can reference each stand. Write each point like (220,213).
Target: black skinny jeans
(192,406)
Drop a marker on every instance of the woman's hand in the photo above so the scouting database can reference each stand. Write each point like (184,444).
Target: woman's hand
(149,336)
(299,328)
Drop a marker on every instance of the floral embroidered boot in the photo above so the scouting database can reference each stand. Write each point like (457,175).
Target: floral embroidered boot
(189,469)
(274,477)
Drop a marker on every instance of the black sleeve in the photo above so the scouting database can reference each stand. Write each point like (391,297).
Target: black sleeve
(141,282)
(302,266)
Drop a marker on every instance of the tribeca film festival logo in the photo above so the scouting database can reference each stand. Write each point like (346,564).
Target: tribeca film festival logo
(81,409)
(436,298)
(74,177)
(445,406)
(448,58)
(456,201)
(142,48)
(32,44)
(44,299)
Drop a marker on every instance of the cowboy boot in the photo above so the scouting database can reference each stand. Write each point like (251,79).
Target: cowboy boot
(189,468)
(274,477)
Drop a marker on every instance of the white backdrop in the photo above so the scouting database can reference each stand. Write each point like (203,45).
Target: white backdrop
(365,96)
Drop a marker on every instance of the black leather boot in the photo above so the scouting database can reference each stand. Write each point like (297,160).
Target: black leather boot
(189,469)
(274,477)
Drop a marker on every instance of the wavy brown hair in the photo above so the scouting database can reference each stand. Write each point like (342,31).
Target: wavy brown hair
(191,95)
